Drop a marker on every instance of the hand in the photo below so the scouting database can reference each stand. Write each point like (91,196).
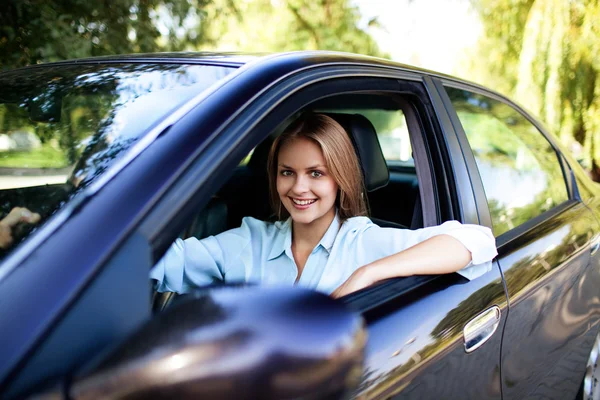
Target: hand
(360,279)
(16,215)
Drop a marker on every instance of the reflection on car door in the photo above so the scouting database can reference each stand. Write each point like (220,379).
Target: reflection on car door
(543,233)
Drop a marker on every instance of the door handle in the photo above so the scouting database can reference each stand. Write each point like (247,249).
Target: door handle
(595,244)
(478,330)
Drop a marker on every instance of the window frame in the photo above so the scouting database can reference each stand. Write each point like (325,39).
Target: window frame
(251,126)
(508,239)
(422,162)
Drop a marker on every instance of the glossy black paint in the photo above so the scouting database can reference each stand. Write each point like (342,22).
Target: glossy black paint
(414,347)
(427,359)
(209,345)
(554,301)
(551,282)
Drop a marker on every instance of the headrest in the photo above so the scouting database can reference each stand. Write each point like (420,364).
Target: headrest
(365,141)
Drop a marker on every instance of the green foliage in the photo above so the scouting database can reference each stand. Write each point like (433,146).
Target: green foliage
(39,31)
(546,53)
(285,25)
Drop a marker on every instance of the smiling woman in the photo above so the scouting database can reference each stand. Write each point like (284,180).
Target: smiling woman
(305,166)
(322,238)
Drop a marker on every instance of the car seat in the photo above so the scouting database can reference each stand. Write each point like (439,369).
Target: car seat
(371,158)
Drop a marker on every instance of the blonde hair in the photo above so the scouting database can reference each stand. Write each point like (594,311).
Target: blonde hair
(340,156)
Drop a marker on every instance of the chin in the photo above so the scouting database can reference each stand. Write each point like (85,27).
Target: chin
(306,218)
(303,219)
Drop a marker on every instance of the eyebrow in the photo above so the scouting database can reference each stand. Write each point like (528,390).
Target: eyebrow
(313,167)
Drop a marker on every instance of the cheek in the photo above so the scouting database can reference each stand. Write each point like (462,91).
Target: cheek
(281,186)
(329,188)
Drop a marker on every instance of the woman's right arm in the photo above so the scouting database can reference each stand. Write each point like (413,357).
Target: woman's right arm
(192,263)
(189,263)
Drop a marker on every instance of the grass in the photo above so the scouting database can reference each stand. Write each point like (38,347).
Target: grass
(43,157)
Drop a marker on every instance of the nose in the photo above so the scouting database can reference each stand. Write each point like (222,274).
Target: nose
(300,184)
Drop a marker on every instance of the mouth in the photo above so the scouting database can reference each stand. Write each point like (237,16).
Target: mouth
(302,204)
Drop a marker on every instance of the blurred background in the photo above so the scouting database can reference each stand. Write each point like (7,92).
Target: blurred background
(545,54)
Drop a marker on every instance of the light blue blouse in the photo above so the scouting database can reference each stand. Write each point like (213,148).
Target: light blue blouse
(261,252)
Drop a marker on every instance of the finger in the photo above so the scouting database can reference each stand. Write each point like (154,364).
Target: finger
(13,217)
(337,292)
(31,217)
(20,214)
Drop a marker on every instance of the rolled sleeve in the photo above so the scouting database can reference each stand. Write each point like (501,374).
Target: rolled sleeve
(480,242)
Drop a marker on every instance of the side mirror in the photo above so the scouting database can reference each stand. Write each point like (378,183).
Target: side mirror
(232,343)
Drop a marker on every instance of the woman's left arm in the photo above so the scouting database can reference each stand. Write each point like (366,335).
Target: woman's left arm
(448,248)
(440,254)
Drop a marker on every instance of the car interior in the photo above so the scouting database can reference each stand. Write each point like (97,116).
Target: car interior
(392,187)
(393,190)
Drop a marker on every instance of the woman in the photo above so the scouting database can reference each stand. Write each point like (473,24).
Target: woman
(323,239)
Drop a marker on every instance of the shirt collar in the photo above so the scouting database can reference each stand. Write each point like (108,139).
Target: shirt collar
(329,236)
(283,241)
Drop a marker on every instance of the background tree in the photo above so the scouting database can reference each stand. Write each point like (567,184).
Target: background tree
(546,54)
(33,31)
(284,25)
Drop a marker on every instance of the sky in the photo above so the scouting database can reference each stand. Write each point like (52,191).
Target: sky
(432,34)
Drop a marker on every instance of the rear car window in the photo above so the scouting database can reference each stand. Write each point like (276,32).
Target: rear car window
(62,126)
(520,169)
(392,132)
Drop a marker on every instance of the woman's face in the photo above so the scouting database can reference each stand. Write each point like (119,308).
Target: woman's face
(305,187)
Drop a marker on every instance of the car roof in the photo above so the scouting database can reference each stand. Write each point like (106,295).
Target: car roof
(283,61)
(236,59)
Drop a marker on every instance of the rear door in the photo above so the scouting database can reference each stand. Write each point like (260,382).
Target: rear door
(543,233)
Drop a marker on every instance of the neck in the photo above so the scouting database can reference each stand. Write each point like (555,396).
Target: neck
(310,234)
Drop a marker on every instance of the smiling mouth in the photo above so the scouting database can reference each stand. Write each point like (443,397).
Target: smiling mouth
(303,202)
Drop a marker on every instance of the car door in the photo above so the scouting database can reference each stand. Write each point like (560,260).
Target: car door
(415,325)
(543,232)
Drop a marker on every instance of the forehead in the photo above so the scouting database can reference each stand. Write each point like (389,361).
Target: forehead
(301,151)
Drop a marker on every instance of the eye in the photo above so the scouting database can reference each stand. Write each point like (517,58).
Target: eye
(286,172)
(316,174)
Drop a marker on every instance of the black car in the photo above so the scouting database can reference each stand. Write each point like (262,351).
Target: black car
(122,155)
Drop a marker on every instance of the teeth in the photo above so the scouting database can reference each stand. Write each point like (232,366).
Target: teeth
(303,202)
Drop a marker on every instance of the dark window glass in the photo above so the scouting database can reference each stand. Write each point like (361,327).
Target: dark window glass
(62,126)
(520,170)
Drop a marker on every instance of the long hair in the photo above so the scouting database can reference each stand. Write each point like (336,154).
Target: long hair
(340,156)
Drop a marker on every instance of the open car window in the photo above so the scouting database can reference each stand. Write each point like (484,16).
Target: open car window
(62,127)
(394,205)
